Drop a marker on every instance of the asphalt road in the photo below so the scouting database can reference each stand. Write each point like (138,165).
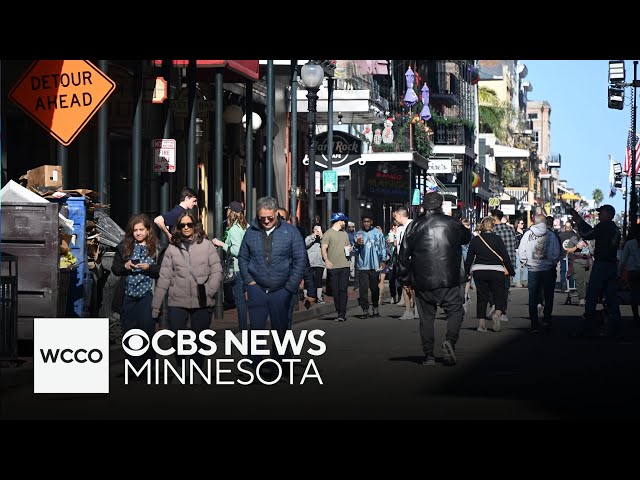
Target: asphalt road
(372,370)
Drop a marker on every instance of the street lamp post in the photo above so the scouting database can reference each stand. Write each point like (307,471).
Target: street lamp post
(312,75)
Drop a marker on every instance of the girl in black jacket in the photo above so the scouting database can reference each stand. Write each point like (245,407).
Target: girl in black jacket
(137,261)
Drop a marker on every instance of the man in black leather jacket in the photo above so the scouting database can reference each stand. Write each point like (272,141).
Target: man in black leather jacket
(430,260)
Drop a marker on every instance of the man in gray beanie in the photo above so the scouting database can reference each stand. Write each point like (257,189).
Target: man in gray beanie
(431,261)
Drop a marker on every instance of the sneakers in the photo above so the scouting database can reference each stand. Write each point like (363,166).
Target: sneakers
(540,310)
(339,319)
(401,301)
(393,300)
(481,329)
(490,310)
(581,302)
(449,353)
(375,312)
(496,323)
(365,312)
(429,361)
(407,315)
(504,318)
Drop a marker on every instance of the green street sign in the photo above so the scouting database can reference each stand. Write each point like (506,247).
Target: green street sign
(330,181)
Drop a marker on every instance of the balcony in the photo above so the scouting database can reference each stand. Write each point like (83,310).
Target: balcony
(449,134)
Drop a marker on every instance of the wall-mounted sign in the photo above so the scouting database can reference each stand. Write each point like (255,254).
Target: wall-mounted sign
(346,149)
(390,185)
(439,166)
(164,155)
(330,181)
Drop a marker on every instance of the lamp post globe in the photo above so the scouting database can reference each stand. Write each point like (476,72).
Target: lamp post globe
(312,75)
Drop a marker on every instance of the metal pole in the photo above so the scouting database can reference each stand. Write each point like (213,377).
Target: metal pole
(626,212)
(329,145)
(410,208)
(312,95)
(102,180)
(269,130)
(249,200)
(634,198)
(293,200)
(218,172)
(63,161)
(136,145)
(192,174)
(164,177)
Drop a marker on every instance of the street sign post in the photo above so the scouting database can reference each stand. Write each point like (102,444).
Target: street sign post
(62,95)
(164,155)
(330,181)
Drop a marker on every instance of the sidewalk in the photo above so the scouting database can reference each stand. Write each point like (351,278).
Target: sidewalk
(19,373)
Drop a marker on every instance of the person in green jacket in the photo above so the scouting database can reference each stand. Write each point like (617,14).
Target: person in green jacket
(236,228)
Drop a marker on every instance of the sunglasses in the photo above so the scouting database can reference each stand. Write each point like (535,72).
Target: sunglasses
(266,219)
(185,225)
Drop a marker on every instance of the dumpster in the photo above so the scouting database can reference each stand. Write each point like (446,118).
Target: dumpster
(8,306)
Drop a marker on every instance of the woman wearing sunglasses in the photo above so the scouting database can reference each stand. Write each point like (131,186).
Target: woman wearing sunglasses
(189,261)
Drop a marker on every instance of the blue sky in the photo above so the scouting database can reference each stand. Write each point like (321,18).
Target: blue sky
(583,129)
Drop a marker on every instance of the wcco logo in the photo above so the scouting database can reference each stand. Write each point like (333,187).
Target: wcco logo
(72,355)
(68,355)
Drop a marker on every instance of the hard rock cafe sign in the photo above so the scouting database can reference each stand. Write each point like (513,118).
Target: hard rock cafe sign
(347,149)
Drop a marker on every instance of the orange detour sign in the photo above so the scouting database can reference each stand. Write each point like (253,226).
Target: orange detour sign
(62,95)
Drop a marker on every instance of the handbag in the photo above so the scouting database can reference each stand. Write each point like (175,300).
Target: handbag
(505,271)
(202,291)
(228,273)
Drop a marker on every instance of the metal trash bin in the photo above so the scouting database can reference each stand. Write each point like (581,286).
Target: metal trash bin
(9,307)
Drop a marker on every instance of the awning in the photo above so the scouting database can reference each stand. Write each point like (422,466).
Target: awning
(234,70)
(570,196)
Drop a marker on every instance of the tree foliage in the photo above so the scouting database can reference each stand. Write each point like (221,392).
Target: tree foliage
(597,196)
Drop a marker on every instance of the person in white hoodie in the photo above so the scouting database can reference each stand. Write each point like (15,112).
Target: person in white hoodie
(539,252)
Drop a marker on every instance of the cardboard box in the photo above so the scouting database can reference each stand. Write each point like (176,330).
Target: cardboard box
(44,176)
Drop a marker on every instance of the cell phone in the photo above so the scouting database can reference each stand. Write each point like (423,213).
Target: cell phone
(135,261)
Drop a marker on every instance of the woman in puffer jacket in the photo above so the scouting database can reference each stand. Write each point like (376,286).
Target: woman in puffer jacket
(189,261)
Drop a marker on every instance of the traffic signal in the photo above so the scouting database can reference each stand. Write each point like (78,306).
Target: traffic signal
(616,98)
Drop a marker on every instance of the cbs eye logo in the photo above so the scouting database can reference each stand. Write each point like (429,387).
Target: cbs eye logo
(135,342)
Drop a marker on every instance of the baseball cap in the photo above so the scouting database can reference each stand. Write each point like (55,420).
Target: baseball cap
(607,208)
(339,216)
(235,207)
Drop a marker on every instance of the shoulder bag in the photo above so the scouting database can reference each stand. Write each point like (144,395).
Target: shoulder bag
(506,272)
(228,273)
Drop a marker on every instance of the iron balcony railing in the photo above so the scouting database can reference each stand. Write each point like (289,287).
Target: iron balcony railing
(452,135)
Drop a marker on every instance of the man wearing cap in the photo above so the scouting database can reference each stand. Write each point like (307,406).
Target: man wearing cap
(603,273)
(431,261)
(336,250)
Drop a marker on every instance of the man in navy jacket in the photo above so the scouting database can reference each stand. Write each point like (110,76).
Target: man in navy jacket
(272,260)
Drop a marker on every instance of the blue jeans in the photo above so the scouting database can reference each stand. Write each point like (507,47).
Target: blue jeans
(521,276)
(563,274)
(603,278)
(545,280)
(274,306)
(241,303)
